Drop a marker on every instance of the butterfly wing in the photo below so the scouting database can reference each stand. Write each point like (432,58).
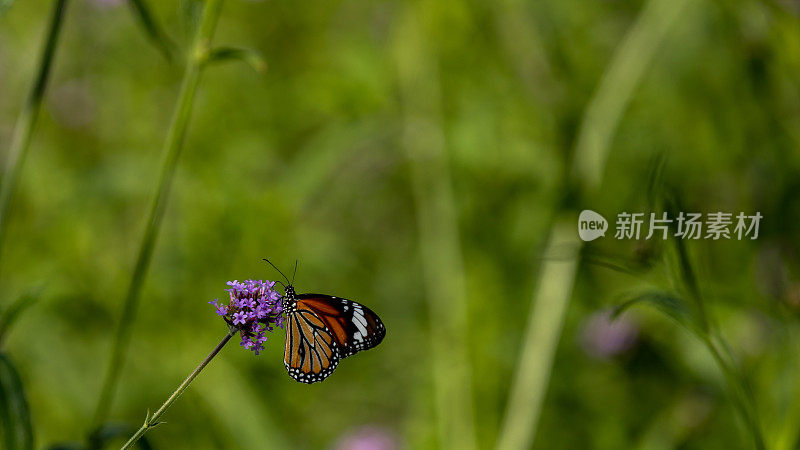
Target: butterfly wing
(354,326)
(311,353)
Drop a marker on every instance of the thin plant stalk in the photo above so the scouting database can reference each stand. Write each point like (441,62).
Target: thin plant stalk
(630,62)
(737,387)
(152,420)
(26,122)
(519,36)
(153,30)
(171,151)
(552,295)
(442,261)
(545,322)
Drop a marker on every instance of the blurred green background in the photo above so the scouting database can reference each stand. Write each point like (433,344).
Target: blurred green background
(315,160)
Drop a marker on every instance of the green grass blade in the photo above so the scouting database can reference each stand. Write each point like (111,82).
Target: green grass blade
(523,48)
(13,312)
(249,56)
(26,122)
(551,298)
(630,61)
(437,224)
(737,388)
(666,302)
(171,151)
(189,13)
(15,417)
(554,289)
(687,273)
(152,29)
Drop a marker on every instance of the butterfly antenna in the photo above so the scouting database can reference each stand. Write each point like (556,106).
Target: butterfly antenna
(279,270)
(295,271)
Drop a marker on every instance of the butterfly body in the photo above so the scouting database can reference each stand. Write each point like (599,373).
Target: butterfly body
(322,329)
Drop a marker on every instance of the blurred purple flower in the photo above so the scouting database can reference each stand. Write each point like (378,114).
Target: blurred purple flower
(367,438)
(604,337)
(254,307)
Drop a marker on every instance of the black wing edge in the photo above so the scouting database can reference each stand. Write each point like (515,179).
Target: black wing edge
(347,309)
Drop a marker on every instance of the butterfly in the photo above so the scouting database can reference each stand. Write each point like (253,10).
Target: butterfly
(323,329)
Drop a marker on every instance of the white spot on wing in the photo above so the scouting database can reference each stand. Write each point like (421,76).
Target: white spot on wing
(360,322)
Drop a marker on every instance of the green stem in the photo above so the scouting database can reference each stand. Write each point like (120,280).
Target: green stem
(556,277)
(152,421)
(545,322)
(690,281)
(617,85)
(153,30)
(738,389)
(172,150)
(23,132)
(437,222)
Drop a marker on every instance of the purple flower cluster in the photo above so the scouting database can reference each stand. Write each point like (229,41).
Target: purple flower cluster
(254,307)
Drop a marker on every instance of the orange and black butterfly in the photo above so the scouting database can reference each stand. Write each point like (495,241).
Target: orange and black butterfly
(322,329)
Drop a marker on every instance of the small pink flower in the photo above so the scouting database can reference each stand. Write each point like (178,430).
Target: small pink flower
(367,438)
(604,337)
